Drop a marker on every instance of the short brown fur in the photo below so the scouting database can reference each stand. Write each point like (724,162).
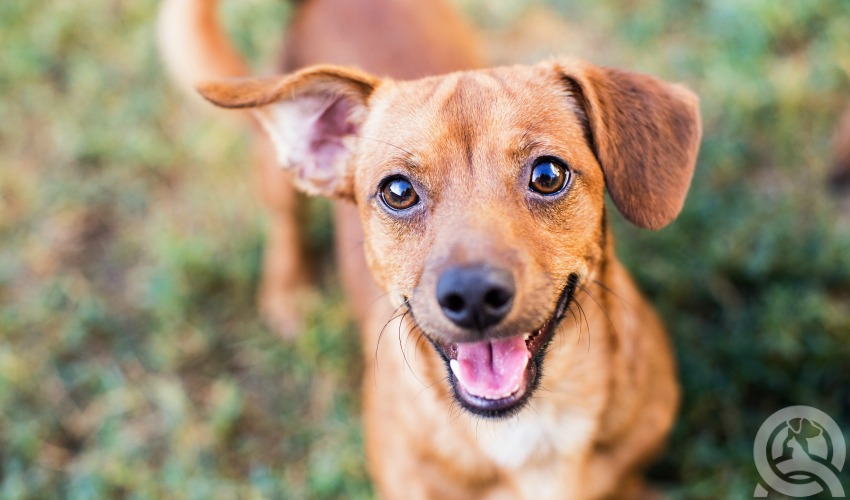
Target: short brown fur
(467,140)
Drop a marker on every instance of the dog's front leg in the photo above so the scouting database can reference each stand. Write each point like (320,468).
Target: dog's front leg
(286,281)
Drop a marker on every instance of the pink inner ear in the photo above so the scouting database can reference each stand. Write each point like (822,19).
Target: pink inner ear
(326,134)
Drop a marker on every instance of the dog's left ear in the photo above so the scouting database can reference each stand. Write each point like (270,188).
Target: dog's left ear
(312,117)
(645,134)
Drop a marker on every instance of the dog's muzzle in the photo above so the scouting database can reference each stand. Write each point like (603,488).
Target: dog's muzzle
(495,377)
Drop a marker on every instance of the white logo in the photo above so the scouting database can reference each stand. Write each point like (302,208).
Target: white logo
(799,451)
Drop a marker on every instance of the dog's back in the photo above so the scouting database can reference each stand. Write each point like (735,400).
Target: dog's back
(403,39)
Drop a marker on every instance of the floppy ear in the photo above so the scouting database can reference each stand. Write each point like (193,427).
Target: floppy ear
(645,134)
(312,117)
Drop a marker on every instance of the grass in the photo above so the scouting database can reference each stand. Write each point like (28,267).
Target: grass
(132,362)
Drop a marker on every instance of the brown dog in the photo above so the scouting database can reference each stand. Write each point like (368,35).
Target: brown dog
(479,195)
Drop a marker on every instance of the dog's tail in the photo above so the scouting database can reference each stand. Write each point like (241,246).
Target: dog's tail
(193,44)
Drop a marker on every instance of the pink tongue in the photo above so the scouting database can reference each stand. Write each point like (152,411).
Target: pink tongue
(491,369)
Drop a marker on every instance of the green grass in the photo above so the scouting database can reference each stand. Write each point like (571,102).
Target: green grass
(131,357)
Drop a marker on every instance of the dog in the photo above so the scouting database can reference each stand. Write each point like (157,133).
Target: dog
(471,224)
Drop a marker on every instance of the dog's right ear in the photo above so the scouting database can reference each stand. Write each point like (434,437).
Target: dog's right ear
(312,117)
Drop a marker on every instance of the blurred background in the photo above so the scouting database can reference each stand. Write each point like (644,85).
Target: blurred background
(132,361)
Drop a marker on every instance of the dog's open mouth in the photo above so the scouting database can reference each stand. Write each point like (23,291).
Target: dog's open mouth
(495,378)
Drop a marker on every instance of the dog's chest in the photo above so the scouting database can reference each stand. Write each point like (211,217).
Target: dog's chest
(532,437)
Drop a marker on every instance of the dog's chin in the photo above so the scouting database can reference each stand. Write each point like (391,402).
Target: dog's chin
(508,398)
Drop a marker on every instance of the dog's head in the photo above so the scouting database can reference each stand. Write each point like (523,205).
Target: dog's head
(481,193)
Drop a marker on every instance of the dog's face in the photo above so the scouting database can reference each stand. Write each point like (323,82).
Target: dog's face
(481,193)
(478,219)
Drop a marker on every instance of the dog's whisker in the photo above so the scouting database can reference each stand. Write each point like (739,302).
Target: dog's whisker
(409,154)
(584,315)
(612,292)
(604,312)
(542,387)
(413,328)
(559,333)
(419,337)
(376,299)
(403,353)
(455,411)
(393,315)
(407,337)
(381,335)
(444,379)
(400,346)
(576,323)
(525,134)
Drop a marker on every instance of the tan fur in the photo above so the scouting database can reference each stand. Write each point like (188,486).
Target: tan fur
(192,44)
(467,140)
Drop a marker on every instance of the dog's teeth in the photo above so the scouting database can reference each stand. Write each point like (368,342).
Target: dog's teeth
(455,366)
(526,336)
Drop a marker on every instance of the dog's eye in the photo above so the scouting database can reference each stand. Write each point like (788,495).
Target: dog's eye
(398,194)
(548,176)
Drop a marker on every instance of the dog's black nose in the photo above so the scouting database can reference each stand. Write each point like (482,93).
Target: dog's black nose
(475,296)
